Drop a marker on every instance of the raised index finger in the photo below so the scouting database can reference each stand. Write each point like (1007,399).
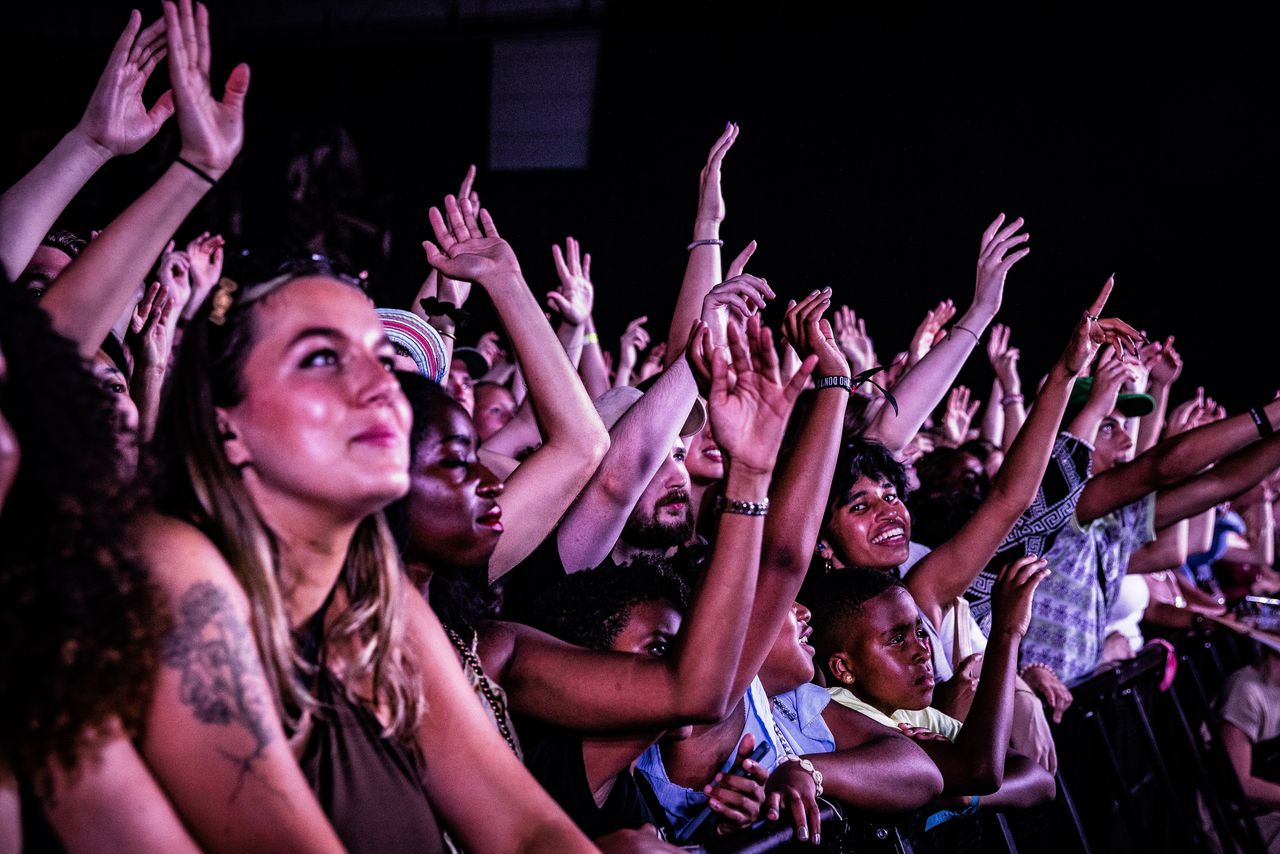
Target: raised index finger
(1101,302)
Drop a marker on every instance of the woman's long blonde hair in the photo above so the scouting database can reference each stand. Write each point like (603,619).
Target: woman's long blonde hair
(201,486)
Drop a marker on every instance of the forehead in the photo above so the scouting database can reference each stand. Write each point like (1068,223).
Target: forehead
(492,393)
(894,607)
(48,260)
(654,616)
(445,421)
(317,302)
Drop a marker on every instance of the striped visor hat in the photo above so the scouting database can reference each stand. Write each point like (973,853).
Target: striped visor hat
(415,338)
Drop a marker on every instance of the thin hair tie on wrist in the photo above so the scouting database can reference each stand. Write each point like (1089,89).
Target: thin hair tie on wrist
(970,331)
(213,182)
(711,242)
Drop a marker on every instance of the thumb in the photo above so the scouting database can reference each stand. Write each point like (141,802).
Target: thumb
(162,109)
(237,87)
(557,301)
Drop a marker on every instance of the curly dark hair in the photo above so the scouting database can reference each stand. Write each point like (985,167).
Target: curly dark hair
(590,608)
(78,648)
(836,600)
(861,457)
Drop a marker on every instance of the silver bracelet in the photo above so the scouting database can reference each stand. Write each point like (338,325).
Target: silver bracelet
(742,508)
(708,242)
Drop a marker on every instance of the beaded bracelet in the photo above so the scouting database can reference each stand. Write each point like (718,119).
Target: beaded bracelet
(1011,398)
(742,508)
(807,766)
(1040,665)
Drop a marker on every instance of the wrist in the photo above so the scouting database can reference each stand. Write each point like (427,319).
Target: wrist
(504,282)
(88,147)
(215,169)
(706,228)
(747,482)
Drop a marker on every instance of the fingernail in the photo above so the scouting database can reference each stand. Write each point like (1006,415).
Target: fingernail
(812,292)
(802,834)
(714,802)
(747,765)
(817,839)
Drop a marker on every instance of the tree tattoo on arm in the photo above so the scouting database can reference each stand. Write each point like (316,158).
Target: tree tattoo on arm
(221,676)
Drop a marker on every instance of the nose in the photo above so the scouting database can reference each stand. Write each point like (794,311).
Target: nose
(803,615)
(674,474)
(922,651)
(489,486)
(374,383)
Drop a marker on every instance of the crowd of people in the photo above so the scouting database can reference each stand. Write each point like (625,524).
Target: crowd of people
(284,570)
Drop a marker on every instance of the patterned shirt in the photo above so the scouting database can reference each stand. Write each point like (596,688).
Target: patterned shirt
(1069,614)
(1038,528)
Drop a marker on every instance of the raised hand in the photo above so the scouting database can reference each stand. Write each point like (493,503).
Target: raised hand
(174,272)
(652,362)
(748,419)
(995,257)
(469,248)
(809,333)
(116,120)
(1014,591)
(738,298)
(1004,359)
(929,332)
(959,415)
(1163,361)
(1108,381)
(634,339)
(851,334)
(212,131)
(205,256)
(154,343)
(1093,331)
(576,296)
(489,348)
(710,198)
(1187,416)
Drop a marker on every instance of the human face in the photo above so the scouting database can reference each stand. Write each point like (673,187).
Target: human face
(323,423)
(1114,445)
(459,385)
(663,516)
(705,462)
(454,517)
(870,526)
(45,266)
(964,475)
(887,660)
(125,420)
(790,660)
(651,629)
(495,405)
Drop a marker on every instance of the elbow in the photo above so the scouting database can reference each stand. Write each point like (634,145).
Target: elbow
(594,447)
(985,778)
(701,708)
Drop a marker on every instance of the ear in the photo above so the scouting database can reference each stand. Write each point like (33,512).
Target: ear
(841,667)
(232,445)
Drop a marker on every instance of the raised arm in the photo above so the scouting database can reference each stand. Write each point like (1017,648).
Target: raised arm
(1174,460)
(634,340)
(1232,477)
(1004,361)
(1165,365)
(115,122)
(948,570)
(924,384)
(641,440)
(440,299)
(93,291)
(703,271)
(594,690)
(592,368)
(575,440)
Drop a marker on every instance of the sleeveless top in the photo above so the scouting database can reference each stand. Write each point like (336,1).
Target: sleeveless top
(370,787)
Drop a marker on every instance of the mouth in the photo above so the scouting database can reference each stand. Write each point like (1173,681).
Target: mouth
(491,520)
(713,454)
(380,436)
(925,680)
(891,535)
(679,501)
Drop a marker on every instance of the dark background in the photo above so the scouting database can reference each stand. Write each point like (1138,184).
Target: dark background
(872,154)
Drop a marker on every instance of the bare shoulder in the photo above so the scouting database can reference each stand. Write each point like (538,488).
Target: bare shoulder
(178,555)
(851,728)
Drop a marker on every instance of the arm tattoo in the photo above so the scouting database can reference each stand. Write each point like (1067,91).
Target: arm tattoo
(222,679)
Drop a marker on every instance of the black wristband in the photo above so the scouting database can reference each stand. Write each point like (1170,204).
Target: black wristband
(435,308)
(213,182)
(1262,422)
